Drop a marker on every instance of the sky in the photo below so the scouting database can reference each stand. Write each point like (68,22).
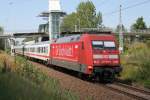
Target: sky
(21,15)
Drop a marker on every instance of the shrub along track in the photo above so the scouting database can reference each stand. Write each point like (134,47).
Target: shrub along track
(92,91)
(85,89)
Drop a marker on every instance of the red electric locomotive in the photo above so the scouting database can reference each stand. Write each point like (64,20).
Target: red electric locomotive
(93,55)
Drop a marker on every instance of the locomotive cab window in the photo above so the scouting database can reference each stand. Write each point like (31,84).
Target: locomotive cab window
(103,45)
(109,45)
(97,44)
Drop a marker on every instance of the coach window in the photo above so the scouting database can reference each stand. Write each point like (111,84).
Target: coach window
(44,49)
(71,39)
(37,49)
(40,49)
(33,49)
(77,38)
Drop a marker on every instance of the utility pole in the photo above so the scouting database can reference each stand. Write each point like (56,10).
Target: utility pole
(75,27)
(121,48)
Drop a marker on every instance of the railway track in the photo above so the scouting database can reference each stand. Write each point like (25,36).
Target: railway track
(131,91)
(128,90)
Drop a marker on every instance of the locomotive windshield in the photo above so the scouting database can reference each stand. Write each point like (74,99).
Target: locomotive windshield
(103,45)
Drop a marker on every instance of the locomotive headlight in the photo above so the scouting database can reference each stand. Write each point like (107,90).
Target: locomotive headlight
(90,67)
(113,56)
(115,62)
(76,46)
(96,62)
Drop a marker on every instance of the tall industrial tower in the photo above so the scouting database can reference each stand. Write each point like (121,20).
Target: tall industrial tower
(55,14)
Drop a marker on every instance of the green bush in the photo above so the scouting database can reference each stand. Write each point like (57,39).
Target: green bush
(28,77)
(31,72)
(14,87)
(136,63)
(148,43)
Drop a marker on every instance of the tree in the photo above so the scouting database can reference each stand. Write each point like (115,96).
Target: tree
(2,45)
(123,28)
(1,30)
(86,13)
(139,25)
(69,22)
(84,17)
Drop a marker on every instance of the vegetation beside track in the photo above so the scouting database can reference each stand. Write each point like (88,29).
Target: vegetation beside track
(20,80)
(136,64)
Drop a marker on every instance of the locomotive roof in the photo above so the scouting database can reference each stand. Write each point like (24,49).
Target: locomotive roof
(68,38)
(76,37)
(85,32)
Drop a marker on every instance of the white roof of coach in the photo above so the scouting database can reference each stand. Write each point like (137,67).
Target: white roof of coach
(40,43)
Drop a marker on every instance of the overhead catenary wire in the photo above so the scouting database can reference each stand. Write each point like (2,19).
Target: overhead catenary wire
(128,7)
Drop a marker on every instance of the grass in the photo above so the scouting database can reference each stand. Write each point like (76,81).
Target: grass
(136,63)
(20,80)
(13,87)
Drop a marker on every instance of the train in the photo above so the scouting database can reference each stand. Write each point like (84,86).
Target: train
(91,55)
